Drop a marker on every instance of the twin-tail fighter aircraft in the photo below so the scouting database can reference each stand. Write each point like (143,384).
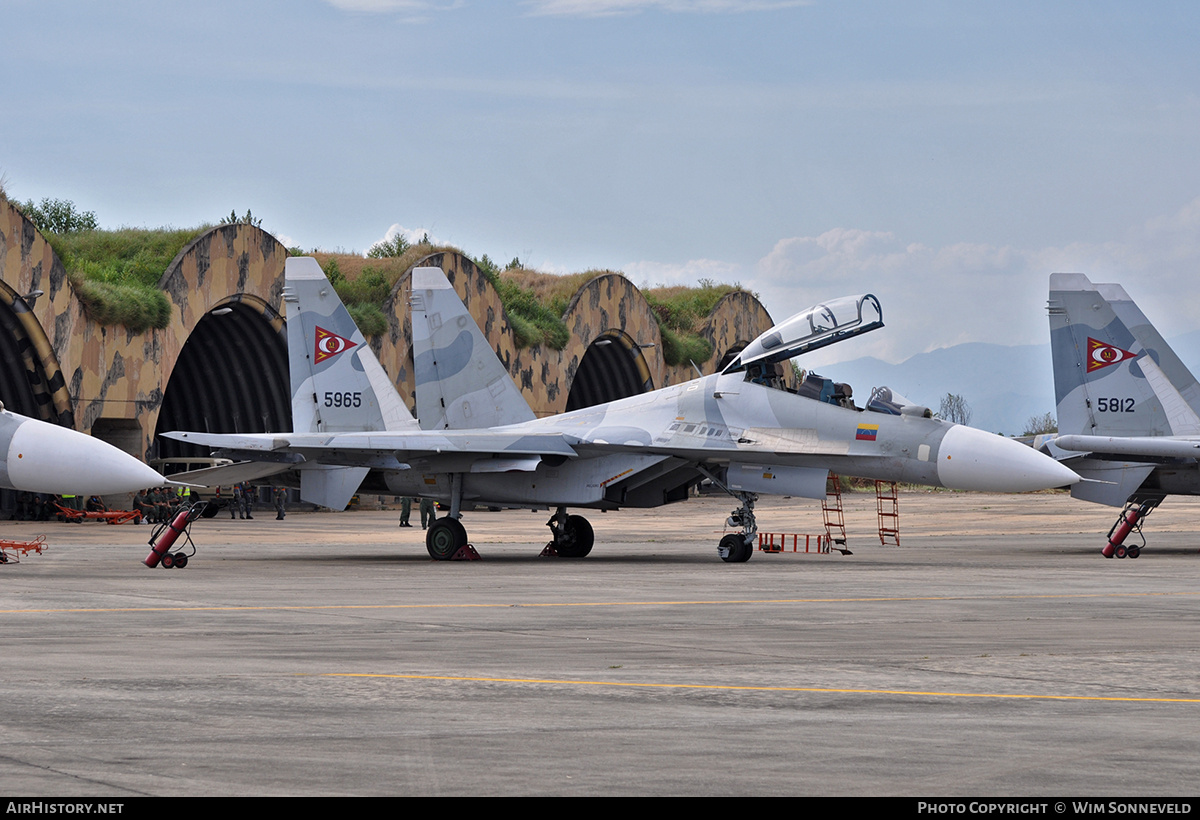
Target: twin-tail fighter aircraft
(1128,408)
(46,458)
(479,443)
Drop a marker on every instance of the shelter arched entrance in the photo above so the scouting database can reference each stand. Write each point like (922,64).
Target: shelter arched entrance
(231,377)
(31,382)
(730,355)
(612,368)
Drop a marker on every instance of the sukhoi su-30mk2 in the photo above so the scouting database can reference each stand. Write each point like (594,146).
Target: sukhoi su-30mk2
(479,443)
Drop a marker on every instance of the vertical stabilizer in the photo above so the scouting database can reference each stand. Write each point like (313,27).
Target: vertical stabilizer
(1114,375)
(337,383)
(461,383)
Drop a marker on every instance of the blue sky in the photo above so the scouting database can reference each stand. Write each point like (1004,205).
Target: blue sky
(946,156)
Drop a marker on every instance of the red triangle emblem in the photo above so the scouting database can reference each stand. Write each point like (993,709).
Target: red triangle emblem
(330,344)
(1102,355)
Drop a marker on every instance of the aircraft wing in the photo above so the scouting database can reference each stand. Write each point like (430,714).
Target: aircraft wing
(390,449)
(332,466)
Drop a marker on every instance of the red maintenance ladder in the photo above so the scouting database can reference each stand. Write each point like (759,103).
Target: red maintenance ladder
(778,542)
(887,505)
(831,509)
(835,528)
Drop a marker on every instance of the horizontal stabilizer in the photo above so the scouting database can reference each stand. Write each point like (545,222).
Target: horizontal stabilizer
(1108,482)
(229,474)
(257,442)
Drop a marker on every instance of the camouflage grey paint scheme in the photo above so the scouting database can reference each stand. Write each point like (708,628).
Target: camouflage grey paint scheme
(1128,408)
(458,384)
(642,451)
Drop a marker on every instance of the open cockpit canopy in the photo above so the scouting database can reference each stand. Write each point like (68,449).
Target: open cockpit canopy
(887,400)
(821,325)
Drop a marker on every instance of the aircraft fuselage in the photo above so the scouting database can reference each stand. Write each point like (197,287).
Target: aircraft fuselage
(723,422)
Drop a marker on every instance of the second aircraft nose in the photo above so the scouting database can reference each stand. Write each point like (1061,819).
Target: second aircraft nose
(970,459)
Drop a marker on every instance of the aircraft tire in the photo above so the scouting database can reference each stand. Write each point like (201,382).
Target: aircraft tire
(747,551)
(580,538)
(444,538)
(734,549)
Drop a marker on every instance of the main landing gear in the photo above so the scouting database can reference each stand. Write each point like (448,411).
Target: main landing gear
(445,537)
(572,535)
(1130,520)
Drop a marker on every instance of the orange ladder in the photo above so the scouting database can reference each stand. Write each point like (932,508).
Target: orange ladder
(831,509)
(887,505)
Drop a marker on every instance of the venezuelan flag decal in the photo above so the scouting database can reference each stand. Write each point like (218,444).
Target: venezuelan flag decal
(866,432)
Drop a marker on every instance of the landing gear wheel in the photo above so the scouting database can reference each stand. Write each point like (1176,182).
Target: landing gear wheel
(733,549)
(578,539)
(445,537)
(1133,552)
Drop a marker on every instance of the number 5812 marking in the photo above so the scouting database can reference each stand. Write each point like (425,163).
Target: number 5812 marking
(1115,405)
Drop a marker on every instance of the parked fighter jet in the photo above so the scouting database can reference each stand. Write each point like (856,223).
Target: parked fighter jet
(479,443)
(45,458)
(1128,408)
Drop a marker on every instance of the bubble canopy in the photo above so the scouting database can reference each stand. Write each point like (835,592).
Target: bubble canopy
(816,327)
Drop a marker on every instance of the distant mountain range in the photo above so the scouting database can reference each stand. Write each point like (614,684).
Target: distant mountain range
(1004,386)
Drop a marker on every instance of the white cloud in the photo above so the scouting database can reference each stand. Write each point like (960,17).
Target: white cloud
(608,8)
(409,10)
(936,297)
(412,235)
(654,274)
(838,254)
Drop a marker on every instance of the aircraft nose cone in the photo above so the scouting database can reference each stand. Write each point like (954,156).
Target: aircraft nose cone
(970,459)
(50,459)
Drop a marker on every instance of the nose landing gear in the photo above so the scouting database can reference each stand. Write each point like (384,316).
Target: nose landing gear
(736,548)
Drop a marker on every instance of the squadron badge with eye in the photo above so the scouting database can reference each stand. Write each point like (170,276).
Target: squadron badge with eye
(1102,355)
(330,344)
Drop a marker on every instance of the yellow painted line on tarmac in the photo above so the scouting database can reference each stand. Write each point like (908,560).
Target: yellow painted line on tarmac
(721,687)
(725,602)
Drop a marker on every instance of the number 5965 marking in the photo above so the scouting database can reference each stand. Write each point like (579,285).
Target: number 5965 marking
(348,399)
